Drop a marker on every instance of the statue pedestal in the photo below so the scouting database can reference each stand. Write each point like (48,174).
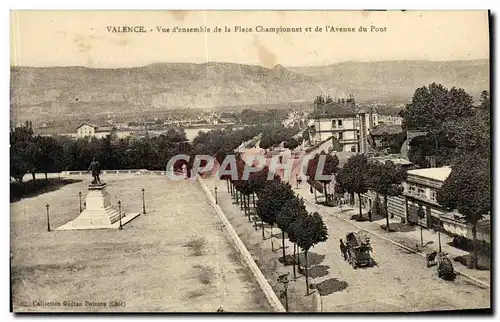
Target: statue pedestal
(99,212)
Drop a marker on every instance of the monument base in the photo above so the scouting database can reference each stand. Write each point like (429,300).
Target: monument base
(99,214)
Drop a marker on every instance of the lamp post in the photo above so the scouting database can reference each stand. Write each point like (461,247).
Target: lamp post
(284,294)
(143,202)
(80,195)
(120,213)
(421,237)
(215,190)
(437,228)
(48,218)
(421,215)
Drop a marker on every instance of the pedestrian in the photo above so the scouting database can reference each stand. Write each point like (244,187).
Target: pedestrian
(369,215)
(343,249)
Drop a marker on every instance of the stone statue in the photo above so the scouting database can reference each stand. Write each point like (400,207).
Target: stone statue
(95,167)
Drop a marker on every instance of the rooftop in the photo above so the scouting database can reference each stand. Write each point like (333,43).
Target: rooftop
(335,109)
(86,123)
(438,174)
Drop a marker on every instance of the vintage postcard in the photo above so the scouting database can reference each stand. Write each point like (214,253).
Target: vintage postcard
(250,161)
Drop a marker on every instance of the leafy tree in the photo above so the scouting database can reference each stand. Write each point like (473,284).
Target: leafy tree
(329,168)
(467,189)
(431,109)
(471,134)
(353,177)
(434,105)
(50,156)
(291,144)
(394,141)
(271,200)
(291,210)
(386,179)
(312,165)
(309,231)
(438,146)
(306,136)
(24,152)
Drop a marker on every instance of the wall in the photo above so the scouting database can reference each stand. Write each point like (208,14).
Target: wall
(396,206)
(462,229)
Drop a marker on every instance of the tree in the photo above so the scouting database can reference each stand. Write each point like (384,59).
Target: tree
(473,133)
(271,200)
(50,156)
(435,109)
(291,210)
(467,189)
(433,105)
(24,152)
(353,177)
(306,136)
(312,165)
(329,168)
(386,179)
(309,230)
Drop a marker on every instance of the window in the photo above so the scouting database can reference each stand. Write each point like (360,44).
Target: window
(353,148)
(433,195)
(341,135)
(421,192)
(340,123)
(334,123)
(412,189)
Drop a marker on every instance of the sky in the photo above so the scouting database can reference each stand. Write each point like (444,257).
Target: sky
(81,38)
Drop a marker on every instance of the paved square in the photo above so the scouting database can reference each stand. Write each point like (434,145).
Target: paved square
(146,266)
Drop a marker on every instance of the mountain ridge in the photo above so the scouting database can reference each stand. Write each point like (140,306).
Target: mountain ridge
(66,92)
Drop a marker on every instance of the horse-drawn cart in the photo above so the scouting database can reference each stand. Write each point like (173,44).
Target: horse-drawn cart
(358,249)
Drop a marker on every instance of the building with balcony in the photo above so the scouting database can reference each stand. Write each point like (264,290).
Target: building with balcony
(344,123)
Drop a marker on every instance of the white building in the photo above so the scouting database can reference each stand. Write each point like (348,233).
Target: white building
(91,130)
(343,121)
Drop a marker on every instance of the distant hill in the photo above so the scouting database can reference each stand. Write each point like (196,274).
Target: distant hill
(78,91)
(68,93)
(397,80)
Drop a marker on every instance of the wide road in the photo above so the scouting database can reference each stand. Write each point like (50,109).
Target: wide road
(399,282)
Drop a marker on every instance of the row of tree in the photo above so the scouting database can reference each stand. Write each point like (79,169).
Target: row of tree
(275,135)
(359,175)
(33,153)
(277,204)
